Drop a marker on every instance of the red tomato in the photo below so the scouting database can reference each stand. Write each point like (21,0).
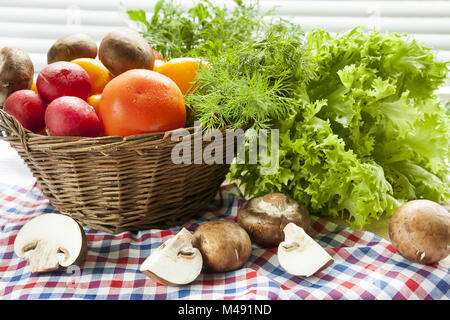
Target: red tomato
(141,101)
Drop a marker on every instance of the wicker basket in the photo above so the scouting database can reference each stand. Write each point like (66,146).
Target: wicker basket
(116,183)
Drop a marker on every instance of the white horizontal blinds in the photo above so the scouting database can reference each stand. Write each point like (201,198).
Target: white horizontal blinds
(109,5)
(34,25)
(427,21)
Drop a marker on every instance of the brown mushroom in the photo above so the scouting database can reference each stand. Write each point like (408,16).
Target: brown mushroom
(72,46)
(447,206)
(50,242)
(16,71)
(224,245)
(264,218)
(124,49)
(420,231)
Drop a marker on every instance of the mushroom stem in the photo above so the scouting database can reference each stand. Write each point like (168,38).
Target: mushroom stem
(187,252)
(43,257)
(291,246)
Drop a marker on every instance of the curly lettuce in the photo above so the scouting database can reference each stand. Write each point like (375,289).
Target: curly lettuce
(372,135)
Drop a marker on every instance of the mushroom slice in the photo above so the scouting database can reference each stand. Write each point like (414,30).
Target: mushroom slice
(175,262)
(51,241)
(299,254)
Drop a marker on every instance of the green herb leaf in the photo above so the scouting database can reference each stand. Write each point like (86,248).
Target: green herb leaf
(204,30)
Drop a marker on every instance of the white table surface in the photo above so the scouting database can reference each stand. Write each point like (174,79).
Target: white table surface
(12,168)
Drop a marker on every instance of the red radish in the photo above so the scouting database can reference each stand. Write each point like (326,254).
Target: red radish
(72,116)
(28,107)
(63,78)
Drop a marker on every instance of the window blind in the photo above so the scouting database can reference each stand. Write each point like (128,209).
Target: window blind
(35,25)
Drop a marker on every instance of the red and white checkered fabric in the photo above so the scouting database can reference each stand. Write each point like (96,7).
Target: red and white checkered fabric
(365,265)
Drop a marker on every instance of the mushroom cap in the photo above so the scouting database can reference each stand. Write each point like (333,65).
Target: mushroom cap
(265,217)
(420,231)
(124,49)
(16,71)
(224,245)
(175,262)
(299,254)
(447,207)
(72,46)
(58,237)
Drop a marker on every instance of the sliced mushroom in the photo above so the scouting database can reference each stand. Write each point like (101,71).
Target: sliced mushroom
(420,231)
(264,218)
(175,262)
(51,241)
(16,71)
(299,254)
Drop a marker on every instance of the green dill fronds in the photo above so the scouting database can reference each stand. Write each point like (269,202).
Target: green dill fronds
(255,82)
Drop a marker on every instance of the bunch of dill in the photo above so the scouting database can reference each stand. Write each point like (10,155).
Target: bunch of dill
(255,82)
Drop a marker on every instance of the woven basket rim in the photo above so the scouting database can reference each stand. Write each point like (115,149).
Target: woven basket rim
(123,188)
(91,144)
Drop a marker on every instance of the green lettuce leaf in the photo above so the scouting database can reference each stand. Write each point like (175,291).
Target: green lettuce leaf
(373,135)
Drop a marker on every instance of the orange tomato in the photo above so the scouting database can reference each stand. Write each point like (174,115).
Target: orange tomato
(141,101)
(157,55)
(97,72)
(157,64)
(94,101)
(181,70)
(34,87)
(43,132)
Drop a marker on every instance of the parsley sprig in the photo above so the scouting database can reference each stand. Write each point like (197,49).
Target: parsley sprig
(203,30)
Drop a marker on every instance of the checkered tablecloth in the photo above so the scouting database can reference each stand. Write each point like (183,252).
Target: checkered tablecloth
(365,265)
